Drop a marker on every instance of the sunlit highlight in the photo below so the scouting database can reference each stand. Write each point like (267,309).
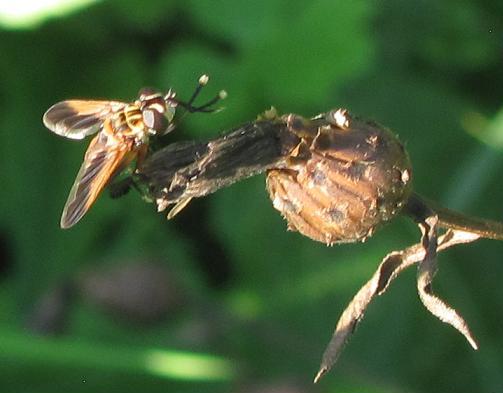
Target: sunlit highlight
(188,366)
(30,13)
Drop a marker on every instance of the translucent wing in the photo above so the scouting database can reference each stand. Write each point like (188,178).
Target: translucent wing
(76,119)
(103,159)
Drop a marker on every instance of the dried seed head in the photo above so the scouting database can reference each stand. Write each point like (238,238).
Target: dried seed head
(342,180)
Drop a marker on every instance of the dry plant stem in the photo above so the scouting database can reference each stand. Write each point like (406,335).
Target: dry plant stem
(186,170)
(451,219)
(391,266)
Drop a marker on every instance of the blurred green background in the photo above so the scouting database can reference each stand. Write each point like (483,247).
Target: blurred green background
(223,298)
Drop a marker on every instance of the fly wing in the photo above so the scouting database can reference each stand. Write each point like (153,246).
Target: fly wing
(103,159)
(76,119)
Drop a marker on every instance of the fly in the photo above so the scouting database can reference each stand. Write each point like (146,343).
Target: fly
(122,136)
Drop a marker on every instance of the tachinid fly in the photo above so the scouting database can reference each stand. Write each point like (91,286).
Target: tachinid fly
(123,133)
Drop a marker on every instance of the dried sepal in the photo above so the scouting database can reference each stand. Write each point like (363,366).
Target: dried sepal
(418,208)
(392,265)
(355,310)
(426,272)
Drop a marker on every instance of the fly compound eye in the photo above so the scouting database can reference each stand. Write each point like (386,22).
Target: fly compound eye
(155,121)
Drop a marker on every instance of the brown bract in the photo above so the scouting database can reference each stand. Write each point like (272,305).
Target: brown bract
(343,179)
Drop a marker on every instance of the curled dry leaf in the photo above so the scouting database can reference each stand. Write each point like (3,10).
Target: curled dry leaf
(392,265)
(426,272)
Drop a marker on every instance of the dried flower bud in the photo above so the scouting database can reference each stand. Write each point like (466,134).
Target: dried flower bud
(343,179)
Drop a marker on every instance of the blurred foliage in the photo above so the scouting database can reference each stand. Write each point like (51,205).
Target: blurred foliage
(263,299)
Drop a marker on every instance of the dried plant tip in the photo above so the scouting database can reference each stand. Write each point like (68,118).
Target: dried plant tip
(162,204)
(178,208)
(269,114)
(391,266)
(322,371)
(355,310)
(340,184)
(339,118)
(426,273)
(222,94)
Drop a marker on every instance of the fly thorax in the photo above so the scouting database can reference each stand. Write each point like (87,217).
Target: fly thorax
(134,120)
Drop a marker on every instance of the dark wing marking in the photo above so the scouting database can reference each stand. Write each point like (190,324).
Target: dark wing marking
(76,119)
(103,159)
